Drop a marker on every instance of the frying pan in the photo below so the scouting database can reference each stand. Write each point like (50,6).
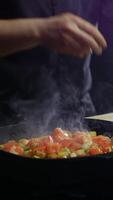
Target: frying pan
(51,172)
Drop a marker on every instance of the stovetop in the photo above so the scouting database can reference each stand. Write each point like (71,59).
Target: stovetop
(19,190)
(35,192)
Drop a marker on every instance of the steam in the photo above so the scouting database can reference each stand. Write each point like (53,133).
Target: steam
(36,117)
(57,103)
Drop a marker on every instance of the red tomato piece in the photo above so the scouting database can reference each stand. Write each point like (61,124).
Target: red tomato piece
(42,141)
(9,145)
(82,138)
(39,148)
(103,141)
(94,151)
(59,134)
(46,140)
(13,147)
(19,150)
(53,148)
(74,146)
(71,144)
(66,142)
(33,142)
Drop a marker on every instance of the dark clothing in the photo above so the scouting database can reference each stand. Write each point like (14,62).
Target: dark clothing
(102,87)
(102,66)
(40,84)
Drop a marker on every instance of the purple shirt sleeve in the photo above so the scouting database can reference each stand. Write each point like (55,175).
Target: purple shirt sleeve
(106,20)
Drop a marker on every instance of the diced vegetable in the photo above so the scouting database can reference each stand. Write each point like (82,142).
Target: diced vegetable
(73,155)
(61,144)
(80,152)
(94,150)
(64,153)
(59,134)
(93,133)
(1,146)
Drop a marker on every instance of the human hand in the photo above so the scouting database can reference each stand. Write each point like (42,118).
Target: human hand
(70,34)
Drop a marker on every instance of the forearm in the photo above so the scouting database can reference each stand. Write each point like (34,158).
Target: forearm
(17,35)
(65,33)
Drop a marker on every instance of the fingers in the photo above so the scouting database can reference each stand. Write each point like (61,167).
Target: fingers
(73,35)
(87,40)
(83,38)
(91,30)
(69,46)
(85,33)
